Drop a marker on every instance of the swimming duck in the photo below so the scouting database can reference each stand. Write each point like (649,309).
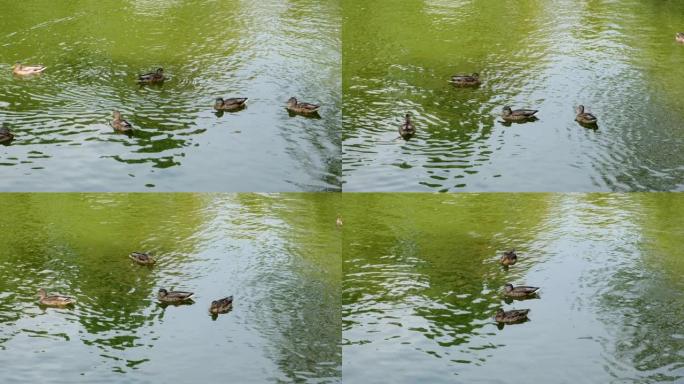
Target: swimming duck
(303,108)
(463,80)
(519,291)
(338,221)
(513,316)
(680,37)
(25,70)
(509,257)
(5,135)
(143,258)
(55,299)
(221,306)
(231,104)
(407,129)
(152,77)
(119,124)
(173,296)
(585,117)
(518,114)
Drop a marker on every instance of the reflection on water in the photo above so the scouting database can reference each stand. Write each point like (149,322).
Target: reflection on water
(419,298)
(265,51)
(618,58)
(278,255)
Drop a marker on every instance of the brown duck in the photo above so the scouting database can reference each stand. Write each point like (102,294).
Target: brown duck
(152,77)
(585,118)
(173,296)
(27,70)
(302,108)
(231,104)
(143,258)
(518,114)
(509,257)
(55,299)
(407,128)
(221,306)
(519,291)
(119,124)
(512,316)
(464,80)
(5,135)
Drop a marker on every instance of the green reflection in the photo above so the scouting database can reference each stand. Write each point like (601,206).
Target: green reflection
(277,254)
(422,281)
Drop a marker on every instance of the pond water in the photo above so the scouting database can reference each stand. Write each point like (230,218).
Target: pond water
(277,254)
(422,282)
(266,51)
(619,58)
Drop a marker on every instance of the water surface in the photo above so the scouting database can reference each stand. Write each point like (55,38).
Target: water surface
(266,51)
(278,255)
(619,58)
(422,282)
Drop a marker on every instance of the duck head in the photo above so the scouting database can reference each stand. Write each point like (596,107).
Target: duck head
(163,292)
(510,254)
(580,109)
(292,101)
(42,293)
(507,110)
(476,75)
(508,287)
(160,71)
(117,115)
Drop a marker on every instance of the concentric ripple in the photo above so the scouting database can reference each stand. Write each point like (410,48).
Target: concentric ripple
(266,52)
(422,282)
(277,255)
(617,58)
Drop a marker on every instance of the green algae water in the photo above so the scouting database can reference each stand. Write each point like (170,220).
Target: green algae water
(422,282)
(619,58)
(277,254)
(266,51)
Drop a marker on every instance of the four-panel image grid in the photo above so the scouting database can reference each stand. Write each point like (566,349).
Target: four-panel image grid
(342,191)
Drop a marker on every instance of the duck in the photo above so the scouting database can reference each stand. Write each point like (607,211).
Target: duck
(512,316)
(221,306)
(152,77)
(143,258)
(55,299)
(519,291)
(509,258)
(231,104)
(5,135)
(464,80)
(585,117)
(518,114)
(679,37)
(119,124)
(173,296)
(302,108)
(338,221)
(25,70)
(407,128)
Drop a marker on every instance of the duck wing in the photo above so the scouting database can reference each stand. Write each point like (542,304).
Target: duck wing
(57,298)
(309,106)
(235,101)
(180,295)
(525,289)
(524,112)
